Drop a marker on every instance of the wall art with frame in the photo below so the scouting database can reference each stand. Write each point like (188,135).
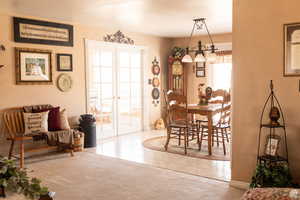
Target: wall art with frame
(291,49)
(64,62)
(200,69)
(42,32)
(33,66)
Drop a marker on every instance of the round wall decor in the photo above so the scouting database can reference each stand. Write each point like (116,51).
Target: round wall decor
(155,69)
(155,82)
(155,93)
(64,82)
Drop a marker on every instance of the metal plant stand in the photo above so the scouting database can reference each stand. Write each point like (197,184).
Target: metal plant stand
(277,130)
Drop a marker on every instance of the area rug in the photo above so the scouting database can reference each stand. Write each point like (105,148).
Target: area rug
(158,143)
(88,176)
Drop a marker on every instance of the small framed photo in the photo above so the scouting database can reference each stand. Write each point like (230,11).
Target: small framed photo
(200,72)
(200,64)
(291,49)
(272,145)
(33,66)
(64,62)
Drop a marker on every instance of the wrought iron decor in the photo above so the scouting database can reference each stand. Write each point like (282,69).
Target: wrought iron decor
(270,153)
(118,37)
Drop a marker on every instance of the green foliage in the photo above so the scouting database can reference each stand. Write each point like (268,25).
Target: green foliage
(178,52)
(276,175)
(17,180)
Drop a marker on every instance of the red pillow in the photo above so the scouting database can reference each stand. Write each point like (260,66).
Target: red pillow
(53,118)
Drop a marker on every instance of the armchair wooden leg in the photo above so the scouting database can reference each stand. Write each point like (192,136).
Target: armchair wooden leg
(201,138)
(198,137)
(168,138)
(72,152)
(11,149)
(217,134)
(223,140)
(187,136)
(213,138)
(21,154)
(185,141)
(226,134)
(179,137)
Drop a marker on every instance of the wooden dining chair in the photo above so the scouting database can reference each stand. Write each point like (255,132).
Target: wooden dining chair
(220,128)
(178,123)
(216,97)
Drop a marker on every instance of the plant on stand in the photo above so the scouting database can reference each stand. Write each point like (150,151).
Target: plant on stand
(272,169)
(272,176)
(16,180)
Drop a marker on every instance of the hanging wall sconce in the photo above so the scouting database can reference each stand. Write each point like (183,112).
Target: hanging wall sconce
(2,48)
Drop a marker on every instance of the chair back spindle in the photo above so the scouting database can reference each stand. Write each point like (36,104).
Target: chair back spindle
(176,107)
(14,122)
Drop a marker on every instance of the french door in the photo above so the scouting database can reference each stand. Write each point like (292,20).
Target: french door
(114,87)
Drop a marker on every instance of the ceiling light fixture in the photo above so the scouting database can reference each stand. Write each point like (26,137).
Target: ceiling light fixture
(202,53)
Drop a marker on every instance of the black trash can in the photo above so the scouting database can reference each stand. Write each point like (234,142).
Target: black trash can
(87,123)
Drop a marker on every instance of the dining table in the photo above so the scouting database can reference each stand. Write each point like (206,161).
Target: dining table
(209,111)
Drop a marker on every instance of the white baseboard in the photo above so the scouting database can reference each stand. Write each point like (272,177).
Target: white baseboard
(239,184)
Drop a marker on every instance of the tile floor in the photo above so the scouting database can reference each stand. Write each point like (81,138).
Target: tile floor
(130,147)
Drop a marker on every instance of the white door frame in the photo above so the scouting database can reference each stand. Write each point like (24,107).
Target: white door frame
(145,90)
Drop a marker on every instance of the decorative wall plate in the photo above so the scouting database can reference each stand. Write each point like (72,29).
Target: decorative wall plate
(155,93)
(155,82)
(155,70)
(64,82)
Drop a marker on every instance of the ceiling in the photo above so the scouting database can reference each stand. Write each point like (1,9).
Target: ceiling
(166,18)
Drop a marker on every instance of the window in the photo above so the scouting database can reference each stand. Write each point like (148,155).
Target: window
(220,76)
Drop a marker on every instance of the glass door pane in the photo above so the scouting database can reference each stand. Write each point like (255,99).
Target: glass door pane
(101,91)
(129,91)
(114,88)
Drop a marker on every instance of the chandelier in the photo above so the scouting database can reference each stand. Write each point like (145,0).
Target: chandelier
(203,53)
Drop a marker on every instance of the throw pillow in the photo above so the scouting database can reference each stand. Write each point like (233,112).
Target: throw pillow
(64,123)
(35,122)
(53,118)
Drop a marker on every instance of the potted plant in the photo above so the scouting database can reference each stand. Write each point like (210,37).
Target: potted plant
(272,176)
(16,180)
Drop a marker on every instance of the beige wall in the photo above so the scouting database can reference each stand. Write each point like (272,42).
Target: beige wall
(193,81)
(74,101)
(258,58)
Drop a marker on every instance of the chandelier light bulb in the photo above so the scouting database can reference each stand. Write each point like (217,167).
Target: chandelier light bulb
(212,57)
(187,59)
(200,58)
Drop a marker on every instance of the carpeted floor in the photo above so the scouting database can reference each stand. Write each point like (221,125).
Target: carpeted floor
(157,143)
(89,176)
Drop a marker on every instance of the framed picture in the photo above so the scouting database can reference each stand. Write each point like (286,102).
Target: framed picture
(291,49)
(33,66)
(64,62)
(200,64)
(42,32)
(200,72)
(272,145)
